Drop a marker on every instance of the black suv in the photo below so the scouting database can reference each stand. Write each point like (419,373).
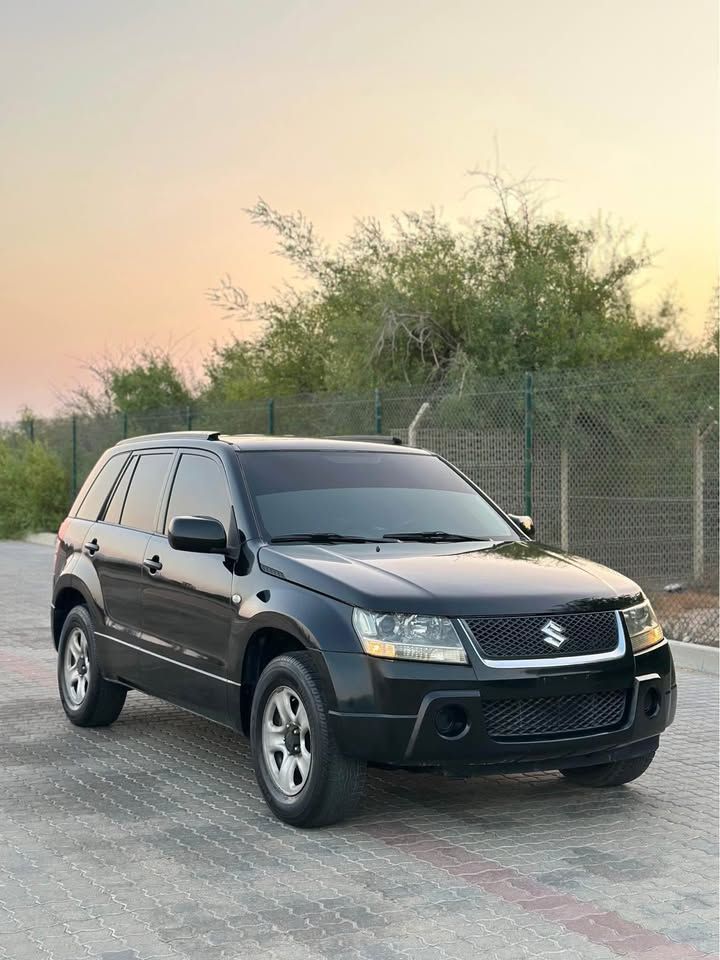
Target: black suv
(349,602)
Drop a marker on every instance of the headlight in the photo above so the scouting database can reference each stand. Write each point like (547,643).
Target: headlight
(406,636)
(642,626)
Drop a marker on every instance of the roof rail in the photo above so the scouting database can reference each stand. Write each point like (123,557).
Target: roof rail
(372,438)
(172,435)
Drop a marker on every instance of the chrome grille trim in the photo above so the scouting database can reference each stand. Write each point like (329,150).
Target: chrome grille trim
(548,662)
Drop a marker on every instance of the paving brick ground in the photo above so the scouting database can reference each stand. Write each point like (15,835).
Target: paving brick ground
(149,840)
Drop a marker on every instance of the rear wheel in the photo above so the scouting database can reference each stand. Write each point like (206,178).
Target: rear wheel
(88,699)
(610,774)
(304,778)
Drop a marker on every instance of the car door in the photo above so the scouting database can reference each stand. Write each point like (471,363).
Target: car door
(187,607)
(118,544)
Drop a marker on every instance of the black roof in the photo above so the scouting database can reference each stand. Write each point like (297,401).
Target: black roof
(250,441)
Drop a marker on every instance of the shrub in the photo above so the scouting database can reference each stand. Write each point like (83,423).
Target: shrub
(33,488)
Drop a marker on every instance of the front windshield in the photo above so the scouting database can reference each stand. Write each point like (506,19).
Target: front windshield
(366,494)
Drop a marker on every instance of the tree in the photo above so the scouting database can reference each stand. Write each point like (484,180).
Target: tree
(424,302)
(146,381)
(288,358)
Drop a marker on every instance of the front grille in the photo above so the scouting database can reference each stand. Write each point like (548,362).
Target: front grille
(547,715)
(522,638)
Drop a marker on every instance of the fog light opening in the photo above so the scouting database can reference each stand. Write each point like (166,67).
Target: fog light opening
(652,703)
(451,722)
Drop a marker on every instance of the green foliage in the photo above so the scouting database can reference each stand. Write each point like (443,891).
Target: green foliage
(33,487)
(152,383)
(425,303)
(287,359)
(145,382)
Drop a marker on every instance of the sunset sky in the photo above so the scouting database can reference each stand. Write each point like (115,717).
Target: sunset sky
(133,134)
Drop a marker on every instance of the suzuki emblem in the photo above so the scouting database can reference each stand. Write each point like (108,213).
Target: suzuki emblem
(554,634)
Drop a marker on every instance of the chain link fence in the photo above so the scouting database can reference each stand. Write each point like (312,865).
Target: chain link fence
(618,464)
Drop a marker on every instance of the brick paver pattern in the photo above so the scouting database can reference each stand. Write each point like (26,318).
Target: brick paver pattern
(149,839)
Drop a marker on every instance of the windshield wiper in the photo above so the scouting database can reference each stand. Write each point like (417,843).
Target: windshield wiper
(432,536)
(422,536)
(322,538)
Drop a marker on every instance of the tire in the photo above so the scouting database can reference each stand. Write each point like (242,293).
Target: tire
(88,699)
(610,774)
(312,784)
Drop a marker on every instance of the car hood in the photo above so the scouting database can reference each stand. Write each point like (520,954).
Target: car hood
(456,579)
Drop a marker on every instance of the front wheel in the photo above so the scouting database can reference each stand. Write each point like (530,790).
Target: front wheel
(610,774)
(304,778)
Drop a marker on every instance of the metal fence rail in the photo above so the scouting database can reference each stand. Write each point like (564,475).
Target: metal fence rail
(616,464)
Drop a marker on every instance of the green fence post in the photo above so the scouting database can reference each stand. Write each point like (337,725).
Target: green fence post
(378,410)
(271,416)
(528,458)
(189,418)
(74,473)
(125,424)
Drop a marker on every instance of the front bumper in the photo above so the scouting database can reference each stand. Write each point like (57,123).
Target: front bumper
(387,711)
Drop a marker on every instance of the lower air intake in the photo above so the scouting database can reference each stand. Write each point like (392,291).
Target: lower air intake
(541,716)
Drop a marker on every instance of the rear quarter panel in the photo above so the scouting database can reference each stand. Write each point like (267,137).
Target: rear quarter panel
(73,570)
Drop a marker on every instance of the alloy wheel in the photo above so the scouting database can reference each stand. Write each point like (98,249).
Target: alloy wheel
(76,667)
(286,744)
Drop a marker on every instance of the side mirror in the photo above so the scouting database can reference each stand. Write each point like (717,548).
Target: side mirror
(525,523)
(197,535)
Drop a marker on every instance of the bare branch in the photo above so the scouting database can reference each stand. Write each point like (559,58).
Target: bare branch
(297,240)
(418,333)
(232,300)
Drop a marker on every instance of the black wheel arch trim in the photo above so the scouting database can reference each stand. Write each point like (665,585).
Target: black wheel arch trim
(267,620)
(69,581)
(274,620)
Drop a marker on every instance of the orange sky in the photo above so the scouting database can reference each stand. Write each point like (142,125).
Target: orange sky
(132,135)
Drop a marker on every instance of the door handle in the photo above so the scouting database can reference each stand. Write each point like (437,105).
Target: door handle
(91,548)
(152,564)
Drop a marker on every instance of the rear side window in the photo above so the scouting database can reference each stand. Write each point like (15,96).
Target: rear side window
(117,501)
(199,490)
(96,496)
(146,487)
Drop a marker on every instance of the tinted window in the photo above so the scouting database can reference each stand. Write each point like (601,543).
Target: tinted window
(199,490)
(143,496)
(117,501)
(101,487)
(366,494)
